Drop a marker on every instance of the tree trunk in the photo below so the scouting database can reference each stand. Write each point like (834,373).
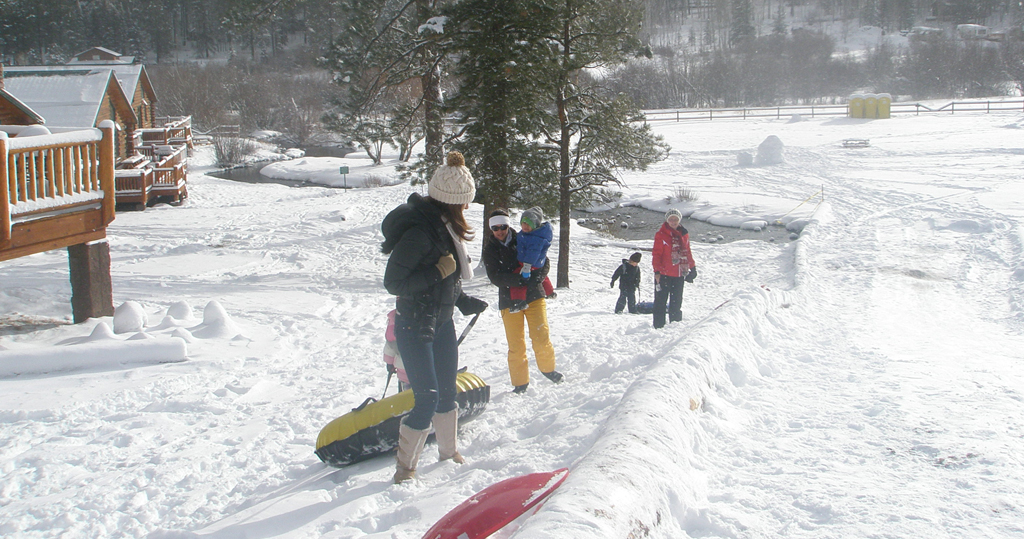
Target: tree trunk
(433,122)
(564,201)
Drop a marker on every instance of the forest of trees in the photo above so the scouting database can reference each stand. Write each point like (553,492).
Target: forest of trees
(260,63)
(49,31)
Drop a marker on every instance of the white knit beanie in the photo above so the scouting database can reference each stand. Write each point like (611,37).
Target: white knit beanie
(452,182)
(674,213)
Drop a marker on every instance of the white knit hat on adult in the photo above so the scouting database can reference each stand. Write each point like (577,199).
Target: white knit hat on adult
(452,182)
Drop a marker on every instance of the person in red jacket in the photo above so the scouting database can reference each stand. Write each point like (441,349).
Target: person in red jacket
(673,264)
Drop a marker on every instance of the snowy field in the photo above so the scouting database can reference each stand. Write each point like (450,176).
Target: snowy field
(863,381)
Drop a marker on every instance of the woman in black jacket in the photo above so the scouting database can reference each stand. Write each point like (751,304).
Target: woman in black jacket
(425,239)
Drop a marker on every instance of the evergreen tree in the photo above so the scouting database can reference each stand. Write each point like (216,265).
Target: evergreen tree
(742,29)
(595,134)
(779,24)
(500,101)
(388,44)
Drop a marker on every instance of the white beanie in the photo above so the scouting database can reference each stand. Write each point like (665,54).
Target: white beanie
(674,213)
(452,182)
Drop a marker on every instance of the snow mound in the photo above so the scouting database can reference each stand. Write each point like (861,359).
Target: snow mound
(769,152)
(181,310)
(168,322)
(216,323)
(129,316)
(100,333)
(183,334)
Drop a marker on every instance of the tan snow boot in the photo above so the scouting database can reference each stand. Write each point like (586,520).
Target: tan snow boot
(410,445)
(446,427)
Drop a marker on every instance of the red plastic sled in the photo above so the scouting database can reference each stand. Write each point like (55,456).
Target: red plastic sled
(492,508)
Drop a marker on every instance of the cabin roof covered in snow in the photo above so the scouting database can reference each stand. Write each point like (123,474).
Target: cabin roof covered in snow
(65,98)
(129,76)
(100,55)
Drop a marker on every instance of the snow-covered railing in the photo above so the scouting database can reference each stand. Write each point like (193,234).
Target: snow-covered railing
(47,175)
(742,113)
(170,172)
(175,130)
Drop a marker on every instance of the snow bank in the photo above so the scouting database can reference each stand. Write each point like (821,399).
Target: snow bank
(654,436)
(662,425)
(93,355)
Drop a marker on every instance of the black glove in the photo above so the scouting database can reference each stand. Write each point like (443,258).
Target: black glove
(691,275)
(612,285)
(470,305)
(392,369)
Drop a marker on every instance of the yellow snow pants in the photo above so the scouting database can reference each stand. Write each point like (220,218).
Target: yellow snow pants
(535,317)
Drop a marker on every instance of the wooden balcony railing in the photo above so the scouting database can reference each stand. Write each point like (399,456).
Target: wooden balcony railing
(176,130)
(157,171)
(57,190)
(134,185)
(170,174)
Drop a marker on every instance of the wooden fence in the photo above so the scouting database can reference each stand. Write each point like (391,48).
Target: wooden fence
(813,111)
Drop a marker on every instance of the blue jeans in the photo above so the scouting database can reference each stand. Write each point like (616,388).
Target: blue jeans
(431,368)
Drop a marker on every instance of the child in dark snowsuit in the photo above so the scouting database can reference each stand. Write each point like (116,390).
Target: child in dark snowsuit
(629,272)
(532,244)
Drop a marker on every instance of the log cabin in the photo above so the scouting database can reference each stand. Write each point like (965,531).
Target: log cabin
(147,170)
(100,55)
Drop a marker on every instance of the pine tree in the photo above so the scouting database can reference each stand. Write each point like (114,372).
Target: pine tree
(779,25)
(596,134)
(388,45)
(742,28)
(500,101)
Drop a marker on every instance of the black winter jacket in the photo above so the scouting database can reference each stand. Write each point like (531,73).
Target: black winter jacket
(502,264)
(416,237)
(630,276)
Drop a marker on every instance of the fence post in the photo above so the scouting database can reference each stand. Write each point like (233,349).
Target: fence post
(778,113)
(106,170)
(744,113)
(988,107)
(677,115)
(711,114)
(5,197)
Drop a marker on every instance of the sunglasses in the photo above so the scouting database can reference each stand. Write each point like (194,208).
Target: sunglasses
(496,228)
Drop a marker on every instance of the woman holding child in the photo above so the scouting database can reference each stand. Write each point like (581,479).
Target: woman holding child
(505,270)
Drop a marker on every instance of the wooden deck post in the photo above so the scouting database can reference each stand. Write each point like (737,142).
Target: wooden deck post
(107,158)
(5,197)
(91,293)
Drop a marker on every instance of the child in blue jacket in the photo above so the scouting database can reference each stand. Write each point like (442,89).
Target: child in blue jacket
(532,245)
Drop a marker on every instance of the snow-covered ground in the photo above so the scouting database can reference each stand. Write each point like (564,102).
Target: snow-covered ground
(863,381)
